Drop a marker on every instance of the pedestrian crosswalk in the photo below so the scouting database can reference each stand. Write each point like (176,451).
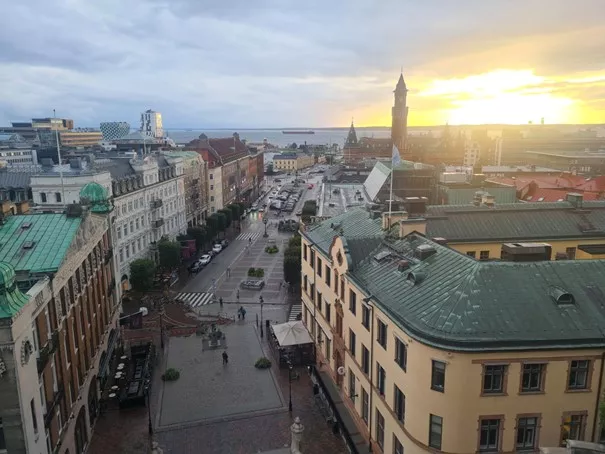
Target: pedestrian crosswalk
(195,299)
(295,312)
(248,236)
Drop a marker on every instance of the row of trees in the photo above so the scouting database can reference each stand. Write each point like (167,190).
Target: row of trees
(292,258)
(143,271)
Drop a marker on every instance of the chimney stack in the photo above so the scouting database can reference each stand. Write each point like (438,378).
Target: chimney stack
(488,200)
(575,199)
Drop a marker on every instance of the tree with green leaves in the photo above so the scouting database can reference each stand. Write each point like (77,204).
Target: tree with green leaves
(170,254)
(228,216)
(292,262)
(221,222)
(200,235)
(142,272)
(213,223)
(270,170)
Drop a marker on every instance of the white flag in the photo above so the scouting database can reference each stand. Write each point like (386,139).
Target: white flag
(395,159)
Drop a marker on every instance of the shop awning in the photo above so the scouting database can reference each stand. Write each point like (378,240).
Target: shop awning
(291,333)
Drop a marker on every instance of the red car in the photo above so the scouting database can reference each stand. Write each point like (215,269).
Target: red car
(310,186)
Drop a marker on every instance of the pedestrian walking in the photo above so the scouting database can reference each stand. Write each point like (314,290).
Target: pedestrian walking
(228,271)
(220,301)
(250,240)
(225,358)
(243,311)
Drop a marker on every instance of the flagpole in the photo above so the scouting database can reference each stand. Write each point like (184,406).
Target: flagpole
(391,191)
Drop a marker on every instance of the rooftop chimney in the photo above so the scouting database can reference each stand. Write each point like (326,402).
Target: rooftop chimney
(415,206)
(575,199)
(392,218)
(526,252)
(488,200)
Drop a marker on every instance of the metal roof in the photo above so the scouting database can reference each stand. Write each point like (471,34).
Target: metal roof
(37,243)
(455,302)
(516,221)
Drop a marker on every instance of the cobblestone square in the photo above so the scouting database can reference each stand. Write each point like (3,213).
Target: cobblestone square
(207,389)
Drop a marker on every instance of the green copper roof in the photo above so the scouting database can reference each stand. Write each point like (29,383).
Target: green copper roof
(455,302)
(96,195)
(37,243)
(11,298)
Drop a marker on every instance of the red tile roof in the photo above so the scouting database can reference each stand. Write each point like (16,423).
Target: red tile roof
(219,151)
(555,195)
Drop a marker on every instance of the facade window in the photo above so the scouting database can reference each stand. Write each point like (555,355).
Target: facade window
(471,254)
(533,378)
(212,187)
(58,197)
(312,259)
(435,430)
(305,252)
(381,378)
(483,255)
(342,289)
(328,312)
(352,342)
(328,345)
(493,379)
(489,434)
(379,429)
(401,354)
(212,198)
(527,433)
(319,300)
(365,405)
(351,384)
(328,276)
(578,374)
(399,404)
(571,253)
(32,405)
(438,376)
(319,267)
(119,230)
(352,302)
(397,446)
(382,334)
(43,197)
(365,360)
(574,425)
(305,283)
(365,316)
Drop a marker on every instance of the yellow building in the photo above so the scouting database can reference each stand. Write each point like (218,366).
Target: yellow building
(420,348)
(292,162)
(81,138)
(574,228)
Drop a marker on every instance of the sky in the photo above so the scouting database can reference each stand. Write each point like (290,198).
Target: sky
(288,63)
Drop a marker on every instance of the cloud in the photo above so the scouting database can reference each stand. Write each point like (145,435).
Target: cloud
(280,63)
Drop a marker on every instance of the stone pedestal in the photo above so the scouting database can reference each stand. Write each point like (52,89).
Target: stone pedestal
(297,430)
(155,448)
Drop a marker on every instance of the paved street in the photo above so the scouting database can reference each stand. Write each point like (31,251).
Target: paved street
(208,389)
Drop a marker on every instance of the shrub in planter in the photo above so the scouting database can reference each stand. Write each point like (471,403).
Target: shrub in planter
(271,249)
(256,272)
(171,375)
(262,363)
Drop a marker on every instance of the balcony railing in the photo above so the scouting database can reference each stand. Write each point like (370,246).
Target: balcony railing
(47,351)
(158,223)
(52,406)
(155,204)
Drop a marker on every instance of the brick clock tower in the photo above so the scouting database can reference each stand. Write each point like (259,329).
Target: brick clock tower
(399,129)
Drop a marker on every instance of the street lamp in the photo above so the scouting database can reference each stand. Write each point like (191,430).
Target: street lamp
(290,384)
(262,300)
(265,220)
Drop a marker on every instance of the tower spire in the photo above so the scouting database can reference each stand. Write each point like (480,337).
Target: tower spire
(352,136)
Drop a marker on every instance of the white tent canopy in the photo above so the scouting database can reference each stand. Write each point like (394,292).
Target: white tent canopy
(291,333)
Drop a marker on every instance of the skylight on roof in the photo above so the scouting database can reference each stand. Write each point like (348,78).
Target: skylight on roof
(541,199)
(28,245)
(382,256)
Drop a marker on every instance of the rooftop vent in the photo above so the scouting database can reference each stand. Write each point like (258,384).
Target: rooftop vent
(403,265)
(382,256)
(424,251)
(440,240)
(561,296)
(26,225)
(416,277)
(335,225)
(28,245)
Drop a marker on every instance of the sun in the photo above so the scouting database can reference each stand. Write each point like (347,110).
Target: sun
(500,97)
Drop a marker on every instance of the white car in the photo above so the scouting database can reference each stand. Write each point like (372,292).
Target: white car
(217,248)
(204,259)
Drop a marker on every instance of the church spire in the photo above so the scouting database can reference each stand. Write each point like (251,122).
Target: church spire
(401,84)
(352,136)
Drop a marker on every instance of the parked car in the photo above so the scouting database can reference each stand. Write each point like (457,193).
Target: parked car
(224,243)
(211,253)
(204,260)
(197,266)
(217,248)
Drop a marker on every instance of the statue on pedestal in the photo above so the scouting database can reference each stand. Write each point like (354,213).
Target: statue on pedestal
(297,430)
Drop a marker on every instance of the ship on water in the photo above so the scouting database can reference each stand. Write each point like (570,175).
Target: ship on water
(298,132)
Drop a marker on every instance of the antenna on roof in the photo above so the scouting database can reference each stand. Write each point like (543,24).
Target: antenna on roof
(59,158)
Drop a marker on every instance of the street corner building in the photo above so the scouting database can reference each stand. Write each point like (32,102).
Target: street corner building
(58,324)
(423,348)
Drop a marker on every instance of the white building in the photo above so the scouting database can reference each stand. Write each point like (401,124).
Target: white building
(15,151)
(148,196)
(151,124)
(472,153)
(215,189)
